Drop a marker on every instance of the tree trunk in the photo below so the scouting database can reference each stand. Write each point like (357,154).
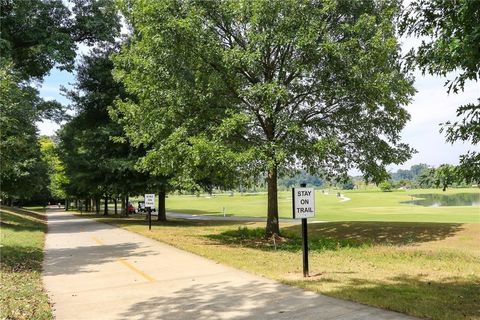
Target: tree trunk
(97,205)
(162,212)
(126,205)
(115,203)
(66,205)
(105,207)
(272,216)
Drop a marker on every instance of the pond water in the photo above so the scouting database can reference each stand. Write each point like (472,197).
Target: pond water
(442,200)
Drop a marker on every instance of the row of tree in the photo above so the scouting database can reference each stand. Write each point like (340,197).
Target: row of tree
(36,36)
(99,162)
(444,176)
(204,94)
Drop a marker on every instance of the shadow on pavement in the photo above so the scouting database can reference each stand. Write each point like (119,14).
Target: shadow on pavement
(67,223)
(253,300)
(60,261)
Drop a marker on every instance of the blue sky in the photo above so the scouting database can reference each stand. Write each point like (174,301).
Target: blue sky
(430,107)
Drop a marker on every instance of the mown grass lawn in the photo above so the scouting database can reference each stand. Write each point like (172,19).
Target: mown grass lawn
(365,205)
(429,270)
(21,256)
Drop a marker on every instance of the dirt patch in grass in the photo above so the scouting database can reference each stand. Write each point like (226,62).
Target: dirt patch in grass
(405,267)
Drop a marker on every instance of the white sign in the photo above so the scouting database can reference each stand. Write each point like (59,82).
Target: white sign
(150,201)
(303,203)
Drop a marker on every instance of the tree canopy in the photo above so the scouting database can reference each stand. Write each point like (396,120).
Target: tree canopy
(281,84)
(22,171)
(450,32)
(36,36)
(56,171)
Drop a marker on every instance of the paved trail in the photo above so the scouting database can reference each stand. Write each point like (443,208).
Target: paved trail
(96,271)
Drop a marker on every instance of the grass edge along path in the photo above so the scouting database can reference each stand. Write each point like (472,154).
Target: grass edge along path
(423,269)
(21,256)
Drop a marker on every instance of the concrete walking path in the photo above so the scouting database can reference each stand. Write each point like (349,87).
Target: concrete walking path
(96,271)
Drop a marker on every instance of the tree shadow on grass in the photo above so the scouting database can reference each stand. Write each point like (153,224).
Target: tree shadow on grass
(10,225)
(16,256)
(21,258)
(255,238)
(337,235)
(24,212)
(389,233)
(448,298)
(16,222)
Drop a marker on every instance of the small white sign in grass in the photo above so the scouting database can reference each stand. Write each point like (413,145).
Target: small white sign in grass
(150,200)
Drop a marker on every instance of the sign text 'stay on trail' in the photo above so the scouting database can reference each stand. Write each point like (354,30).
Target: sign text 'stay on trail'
(149,200)
(303,203)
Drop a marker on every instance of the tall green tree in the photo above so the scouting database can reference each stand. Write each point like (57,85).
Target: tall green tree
(426,178)
(445,176)
(35,36)
(409,174)
(283,85)
(56,170)
(98,162)
(450,32)
(23,174)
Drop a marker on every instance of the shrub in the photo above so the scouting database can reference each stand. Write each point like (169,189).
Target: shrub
(386,186)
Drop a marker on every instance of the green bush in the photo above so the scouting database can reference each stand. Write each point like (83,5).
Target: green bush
(386,186)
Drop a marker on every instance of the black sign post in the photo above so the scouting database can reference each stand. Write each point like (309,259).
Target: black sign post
(305,247)
(305,241)
(303,205)
(149,210)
